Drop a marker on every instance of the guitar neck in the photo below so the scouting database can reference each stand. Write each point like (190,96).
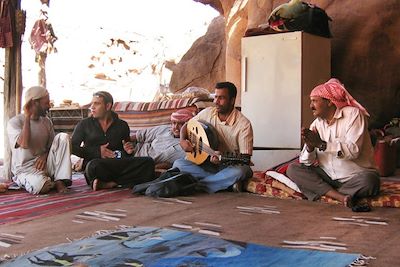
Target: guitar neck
(209,150)
(234,159)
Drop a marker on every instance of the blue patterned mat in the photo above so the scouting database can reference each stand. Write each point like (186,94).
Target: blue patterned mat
(150,246)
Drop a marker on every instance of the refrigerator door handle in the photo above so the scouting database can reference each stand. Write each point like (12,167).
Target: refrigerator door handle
(244,73)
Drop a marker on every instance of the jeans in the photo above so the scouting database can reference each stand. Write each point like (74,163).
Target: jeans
(214,177)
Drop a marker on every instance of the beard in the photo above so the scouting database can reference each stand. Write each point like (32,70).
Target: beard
(224,109)
(43,112)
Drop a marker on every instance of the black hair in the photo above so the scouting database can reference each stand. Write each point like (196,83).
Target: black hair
(232,91)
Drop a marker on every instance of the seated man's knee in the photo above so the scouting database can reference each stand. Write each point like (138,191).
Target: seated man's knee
(178,163)
(63,137)
(293,169)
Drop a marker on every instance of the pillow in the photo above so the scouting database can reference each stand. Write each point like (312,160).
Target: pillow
(282,168)
(279,173)
(284,180)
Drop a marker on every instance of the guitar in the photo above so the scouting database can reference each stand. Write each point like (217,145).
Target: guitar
(204,138)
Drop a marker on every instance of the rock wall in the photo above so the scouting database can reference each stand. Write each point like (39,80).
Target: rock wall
(204,63)
(365,48)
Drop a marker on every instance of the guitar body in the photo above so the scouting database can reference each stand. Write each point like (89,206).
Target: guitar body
(201,135)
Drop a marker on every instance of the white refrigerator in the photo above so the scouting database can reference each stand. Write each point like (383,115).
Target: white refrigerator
(278,73)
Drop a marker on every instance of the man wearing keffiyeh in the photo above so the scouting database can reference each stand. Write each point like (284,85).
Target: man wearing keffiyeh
(337,159)
(162,142)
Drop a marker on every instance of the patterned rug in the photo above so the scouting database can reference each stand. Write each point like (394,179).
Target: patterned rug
(263,184)
(18,205)
(149,246)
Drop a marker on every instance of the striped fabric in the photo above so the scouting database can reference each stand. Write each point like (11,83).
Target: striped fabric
(138,120)
(20,206)
(154,106)
(141,115)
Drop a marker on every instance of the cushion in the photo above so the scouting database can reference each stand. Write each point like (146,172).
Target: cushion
(266,185)
(263,184)
(128,106)
(138,120)
(282,168)
(141,115)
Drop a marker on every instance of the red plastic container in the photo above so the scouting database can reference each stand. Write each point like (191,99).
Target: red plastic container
(385,157)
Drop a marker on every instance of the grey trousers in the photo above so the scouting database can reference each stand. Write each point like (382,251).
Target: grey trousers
(314,182)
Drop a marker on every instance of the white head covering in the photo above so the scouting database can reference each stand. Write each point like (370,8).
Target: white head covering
(35,92)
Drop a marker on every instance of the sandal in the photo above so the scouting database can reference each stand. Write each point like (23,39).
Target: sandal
(361,207)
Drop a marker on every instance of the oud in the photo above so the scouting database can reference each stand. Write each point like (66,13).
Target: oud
(204,139)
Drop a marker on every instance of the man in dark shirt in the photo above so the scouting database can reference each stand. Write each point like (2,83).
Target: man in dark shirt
(103,142)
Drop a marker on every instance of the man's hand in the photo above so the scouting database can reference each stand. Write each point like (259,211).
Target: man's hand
(215,159)
(106,153)
(41,161)
(311,138)
(128,147)
(25,136)
(28,109)
(186,145)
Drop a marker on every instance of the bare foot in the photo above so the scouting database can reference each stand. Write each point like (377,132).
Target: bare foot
(97,185)
(60,187)
(3,187)
(345,199)
(348,202)
(48,185)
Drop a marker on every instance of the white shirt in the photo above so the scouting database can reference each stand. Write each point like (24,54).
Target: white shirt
(234,135)
(349,149)
(42,135)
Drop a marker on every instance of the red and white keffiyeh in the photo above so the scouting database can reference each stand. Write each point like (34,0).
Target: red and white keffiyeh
(181,115)
(334,91)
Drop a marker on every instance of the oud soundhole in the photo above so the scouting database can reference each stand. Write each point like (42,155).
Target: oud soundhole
(192,139)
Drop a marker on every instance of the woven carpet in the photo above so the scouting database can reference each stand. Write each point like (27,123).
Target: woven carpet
(149,246)
(18,205)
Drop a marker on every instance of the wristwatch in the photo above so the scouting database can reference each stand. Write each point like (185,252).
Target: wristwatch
(322,147)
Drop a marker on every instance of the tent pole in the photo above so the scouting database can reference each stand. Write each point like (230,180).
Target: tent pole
(12,94)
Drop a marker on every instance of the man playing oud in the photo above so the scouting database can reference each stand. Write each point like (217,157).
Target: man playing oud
(235,135)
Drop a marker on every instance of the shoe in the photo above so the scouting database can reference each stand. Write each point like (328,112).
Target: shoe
(361,207)
(237,187)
